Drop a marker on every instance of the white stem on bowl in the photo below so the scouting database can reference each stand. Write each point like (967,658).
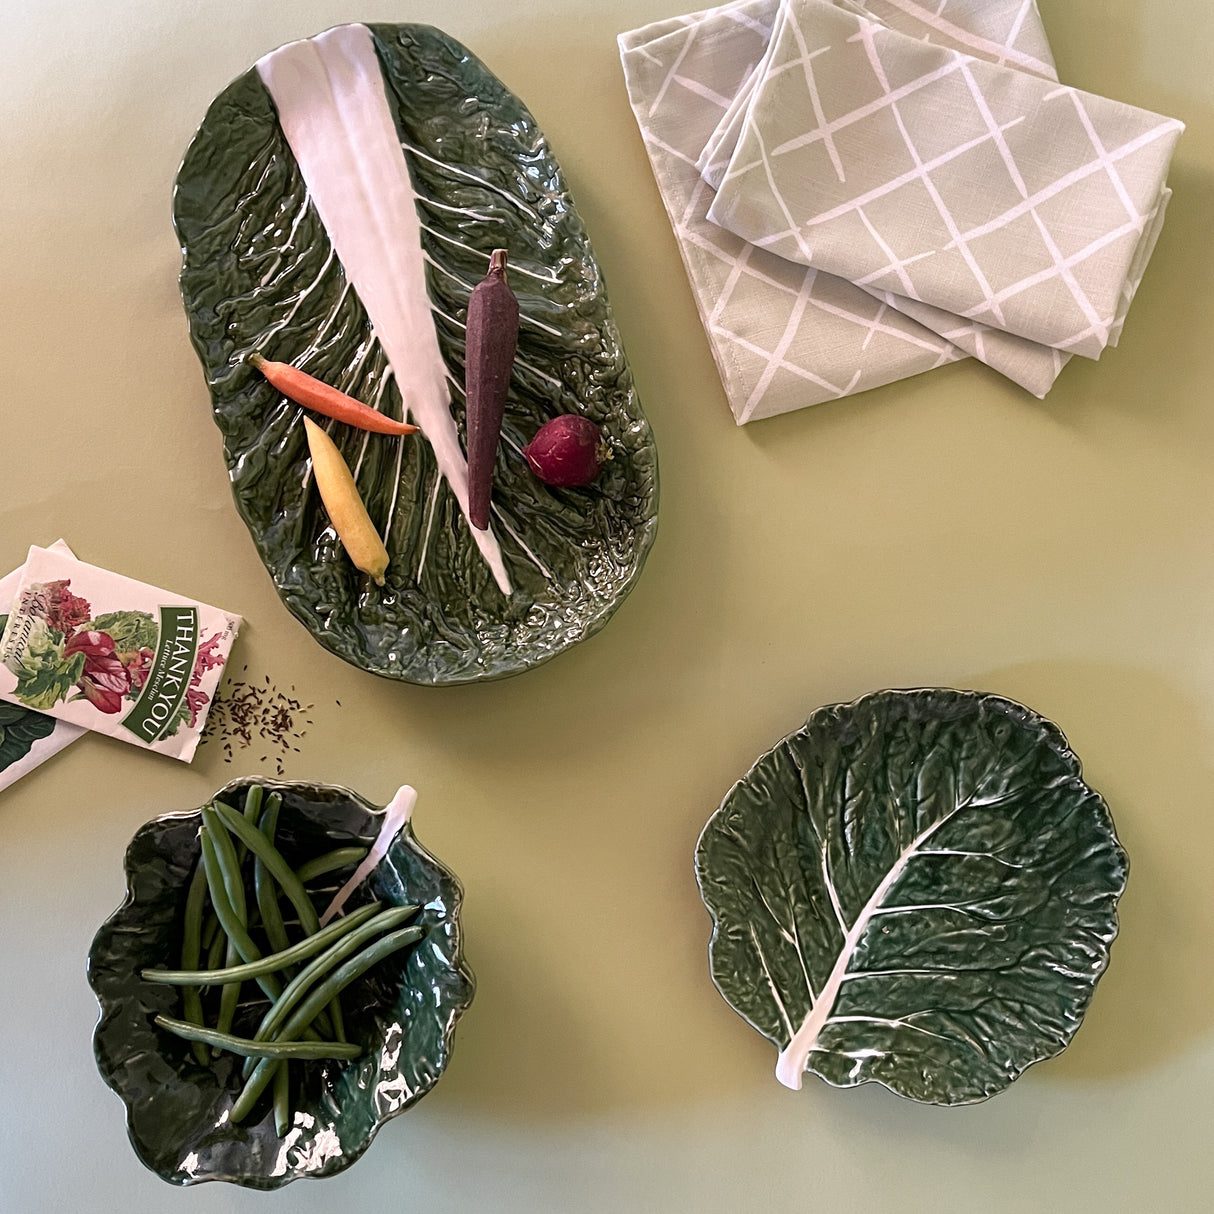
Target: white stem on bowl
(396,814)
(329,93)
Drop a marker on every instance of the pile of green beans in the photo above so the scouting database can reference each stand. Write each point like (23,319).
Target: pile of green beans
(303,1019)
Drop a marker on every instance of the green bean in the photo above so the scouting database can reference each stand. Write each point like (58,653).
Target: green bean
(267,895)
(232,915)
(191,951)
(274,961)
(252,802)
(281,870)
(212,923)
(225,852)
(217,946)
(340,857)
(258,1049)
(230,995)
(298,987)
(210,929)
(282,1099)
(230,918)
(338,1018)
(286,878)
(341,977)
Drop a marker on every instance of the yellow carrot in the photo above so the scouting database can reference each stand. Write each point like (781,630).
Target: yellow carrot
(345,508)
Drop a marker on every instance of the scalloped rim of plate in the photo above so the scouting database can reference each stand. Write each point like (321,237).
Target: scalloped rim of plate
(646,532)
(979,696)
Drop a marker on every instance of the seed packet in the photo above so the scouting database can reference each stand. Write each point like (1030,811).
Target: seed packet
(117,656)
(27,738)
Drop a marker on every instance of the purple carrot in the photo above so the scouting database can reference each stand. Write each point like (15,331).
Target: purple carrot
(488,356)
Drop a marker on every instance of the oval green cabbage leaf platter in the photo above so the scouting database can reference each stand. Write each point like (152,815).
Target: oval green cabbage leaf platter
(335,209)
(916,889)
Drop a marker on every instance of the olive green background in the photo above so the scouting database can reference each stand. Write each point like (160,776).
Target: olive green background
(946,530)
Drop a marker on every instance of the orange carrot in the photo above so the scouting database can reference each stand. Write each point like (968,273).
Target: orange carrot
(300,387)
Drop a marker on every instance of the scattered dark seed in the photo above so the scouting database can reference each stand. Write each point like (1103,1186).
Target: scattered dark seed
(245,712)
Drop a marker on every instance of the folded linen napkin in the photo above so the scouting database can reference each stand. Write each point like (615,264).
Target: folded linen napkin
(1013,217)
(1001,31)
(783,335)
(968,185)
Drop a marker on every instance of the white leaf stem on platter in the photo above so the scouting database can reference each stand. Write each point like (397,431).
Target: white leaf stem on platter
(329,93)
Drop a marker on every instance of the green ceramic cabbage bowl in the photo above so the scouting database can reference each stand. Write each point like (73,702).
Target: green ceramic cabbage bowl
(403,1011)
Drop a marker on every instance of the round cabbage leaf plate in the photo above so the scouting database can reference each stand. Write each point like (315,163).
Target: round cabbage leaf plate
(916,889)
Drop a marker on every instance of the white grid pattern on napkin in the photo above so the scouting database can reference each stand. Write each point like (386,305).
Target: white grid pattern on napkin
(1105,163)
(661,72)
(1002,31)
(784,336)
(685,70)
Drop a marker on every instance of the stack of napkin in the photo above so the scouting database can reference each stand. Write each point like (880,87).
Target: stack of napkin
(866,189)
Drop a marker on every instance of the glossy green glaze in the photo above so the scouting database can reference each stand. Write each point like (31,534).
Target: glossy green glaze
(403,1011)
(919,887)
(258,261)
(20,728)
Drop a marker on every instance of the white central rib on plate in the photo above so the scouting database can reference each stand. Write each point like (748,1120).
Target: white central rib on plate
(794,1057)
(329,93)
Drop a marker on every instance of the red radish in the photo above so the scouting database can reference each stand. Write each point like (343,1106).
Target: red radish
(567,451)
(492,334)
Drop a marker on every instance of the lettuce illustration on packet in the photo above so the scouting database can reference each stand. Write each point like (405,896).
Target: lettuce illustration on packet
(29,738)
(129,630)
(104,680)
(67,655)
(45,673)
